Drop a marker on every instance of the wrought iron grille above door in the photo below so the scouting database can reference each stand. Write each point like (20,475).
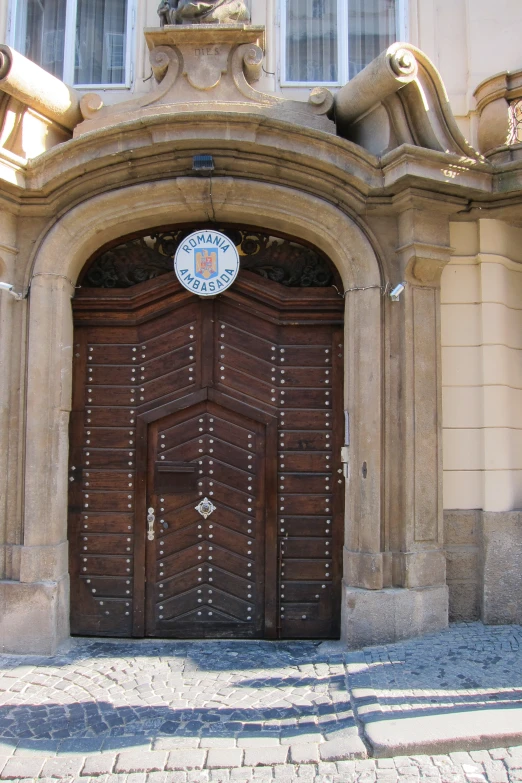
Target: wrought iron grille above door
(144,258)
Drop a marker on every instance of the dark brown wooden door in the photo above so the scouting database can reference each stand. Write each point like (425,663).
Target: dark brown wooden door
(236,400)
(206,569)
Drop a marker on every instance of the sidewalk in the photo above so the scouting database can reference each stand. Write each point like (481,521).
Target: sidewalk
(457,690)
(105,709)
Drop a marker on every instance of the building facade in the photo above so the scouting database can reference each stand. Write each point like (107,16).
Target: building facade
(332,445)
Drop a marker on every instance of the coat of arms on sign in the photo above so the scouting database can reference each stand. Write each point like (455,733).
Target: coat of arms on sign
(206,262)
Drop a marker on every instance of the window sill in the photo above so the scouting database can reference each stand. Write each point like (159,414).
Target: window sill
(301,92)
(311,85)
(104,87)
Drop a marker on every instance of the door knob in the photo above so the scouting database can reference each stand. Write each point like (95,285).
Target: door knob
(205,508)
(150,519)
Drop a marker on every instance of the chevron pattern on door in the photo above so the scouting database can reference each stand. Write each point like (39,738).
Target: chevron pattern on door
(294,370)
(236,399)
(206,576)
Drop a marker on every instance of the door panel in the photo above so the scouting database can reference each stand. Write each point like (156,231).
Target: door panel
(183,600)
(238,400)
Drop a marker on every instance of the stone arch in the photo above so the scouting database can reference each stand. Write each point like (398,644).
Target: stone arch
(138,207)
(107,216)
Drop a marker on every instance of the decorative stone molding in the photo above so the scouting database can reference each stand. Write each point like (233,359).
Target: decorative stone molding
(38,89)
(515,122)
(205,68)
(423,262)
(399,98)
(25,133)
(422,254)
(37,111)
(165,65)
(392,70)
(322,100)
(495,97)
(207,12)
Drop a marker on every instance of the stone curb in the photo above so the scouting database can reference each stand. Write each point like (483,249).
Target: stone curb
(390,734)
(485,729)
(125,762)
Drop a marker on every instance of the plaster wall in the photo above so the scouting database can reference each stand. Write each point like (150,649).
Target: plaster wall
(468,41)
(481,313)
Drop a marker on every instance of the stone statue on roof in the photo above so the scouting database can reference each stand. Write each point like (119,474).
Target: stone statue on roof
(203,12)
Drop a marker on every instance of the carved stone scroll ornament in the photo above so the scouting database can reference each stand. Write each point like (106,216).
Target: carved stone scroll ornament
(515,123)
(203,12)
(284,262)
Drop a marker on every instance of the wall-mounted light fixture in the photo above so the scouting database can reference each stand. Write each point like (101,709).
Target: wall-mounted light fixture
(395,293)
(10,290)
(203,163)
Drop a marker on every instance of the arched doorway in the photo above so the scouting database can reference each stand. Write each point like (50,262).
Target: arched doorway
(235,400)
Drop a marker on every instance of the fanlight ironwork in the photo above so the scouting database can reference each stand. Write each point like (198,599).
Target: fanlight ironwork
(281,260)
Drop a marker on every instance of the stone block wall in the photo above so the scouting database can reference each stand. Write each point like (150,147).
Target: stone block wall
(502,570)
(484,576)
(462,536)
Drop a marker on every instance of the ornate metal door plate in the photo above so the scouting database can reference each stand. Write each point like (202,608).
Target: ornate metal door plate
(151,518)
(205,507)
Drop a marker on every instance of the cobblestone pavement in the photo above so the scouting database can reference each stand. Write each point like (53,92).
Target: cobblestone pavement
(495,766)
(160,712)
(470,666)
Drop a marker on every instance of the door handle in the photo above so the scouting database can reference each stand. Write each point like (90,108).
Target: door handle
(151,519)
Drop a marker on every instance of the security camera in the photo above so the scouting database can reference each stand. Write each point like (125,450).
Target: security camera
(395,293)
(10,290)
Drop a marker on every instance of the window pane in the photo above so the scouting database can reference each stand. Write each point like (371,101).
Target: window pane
(311,41)
(100,49)
(40,33)
(371,29)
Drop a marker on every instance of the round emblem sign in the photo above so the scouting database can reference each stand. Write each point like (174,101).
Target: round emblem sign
(206,263)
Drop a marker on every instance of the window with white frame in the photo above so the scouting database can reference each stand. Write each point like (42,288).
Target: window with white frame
(329,41)
(83,42)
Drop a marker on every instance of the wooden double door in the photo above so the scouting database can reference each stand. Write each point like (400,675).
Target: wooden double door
(206,488)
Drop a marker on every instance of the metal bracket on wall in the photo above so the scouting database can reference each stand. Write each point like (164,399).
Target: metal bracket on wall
(345,450)
(345,454)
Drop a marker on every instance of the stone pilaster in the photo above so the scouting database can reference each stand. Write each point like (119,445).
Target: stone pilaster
(417,540)
(38,616)
(12,350)
(363,559)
